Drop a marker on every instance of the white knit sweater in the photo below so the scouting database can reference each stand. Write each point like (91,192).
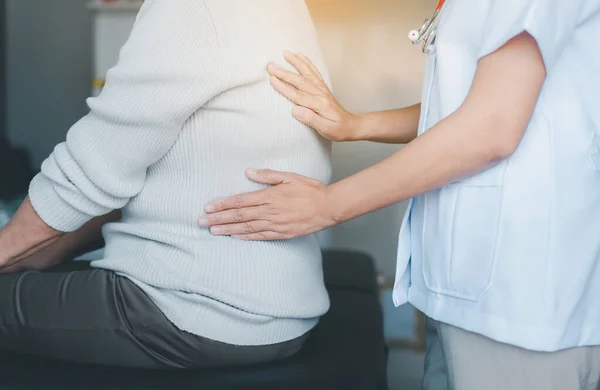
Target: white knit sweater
(185,111)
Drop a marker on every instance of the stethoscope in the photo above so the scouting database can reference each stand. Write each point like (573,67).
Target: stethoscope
(427,32)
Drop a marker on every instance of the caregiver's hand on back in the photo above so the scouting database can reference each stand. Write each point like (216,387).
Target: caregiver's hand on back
(316,105)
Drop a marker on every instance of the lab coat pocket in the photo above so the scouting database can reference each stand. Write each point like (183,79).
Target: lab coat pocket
(466,229)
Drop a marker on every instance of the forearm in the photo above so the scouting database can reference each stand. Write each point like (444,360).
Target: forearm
(394,127)
(449,151)
(485,129)
(25,235)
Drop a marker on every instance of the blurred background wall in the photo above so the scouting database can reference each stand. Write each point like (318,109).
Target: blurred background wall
(49,55)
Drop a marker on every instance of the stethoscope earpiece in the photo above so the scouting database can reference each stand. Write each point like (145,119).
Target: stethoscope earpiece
(427,32)
(413,35)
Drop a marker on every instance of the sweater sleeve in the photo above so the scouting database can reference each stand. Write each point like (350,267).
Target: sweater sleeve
(167,70)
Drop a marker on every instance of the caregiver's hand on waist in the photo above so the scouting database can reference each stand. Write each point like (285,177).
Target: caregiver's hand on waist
(295,206)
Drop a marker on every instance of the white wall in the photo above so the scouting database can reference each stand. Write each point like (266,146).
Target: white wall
(49,71)
(374,67)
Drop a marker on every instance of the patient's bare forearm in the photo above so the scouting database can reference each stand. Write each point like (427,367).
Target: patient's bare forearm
(27,234)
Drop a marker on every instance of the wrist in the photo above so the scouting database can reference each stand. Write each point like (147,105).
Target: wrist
(333,206)
(357,127)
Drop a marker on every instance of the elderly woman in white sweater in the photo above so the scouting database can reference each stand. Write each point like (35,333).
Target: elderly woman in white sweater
(188,104)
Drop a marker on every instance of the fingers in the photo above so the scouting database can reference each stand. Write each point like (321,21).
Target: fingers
(312,66)
(262,236)
(296,96)
(251,227)
(312,119)
(293,78)
(299,64)
(268,176)
(250,199)
(300,98)
(233,216)
(307,69)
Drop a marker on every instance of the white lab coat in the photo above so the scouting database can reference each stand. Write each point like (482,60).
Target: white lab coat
(513,253)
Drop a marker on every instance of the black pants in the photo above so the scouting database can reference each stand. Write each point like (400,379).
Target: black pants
(85,315)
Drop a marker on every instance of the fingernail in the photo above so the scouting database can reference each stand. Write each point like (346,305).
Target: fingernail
(236,237)
(203,221)
(210,208)
(252,172)
(287,53)
(216,230)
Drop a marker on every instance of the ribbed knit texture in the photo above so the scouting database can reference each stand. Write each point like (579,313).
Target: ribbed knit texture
(186,110)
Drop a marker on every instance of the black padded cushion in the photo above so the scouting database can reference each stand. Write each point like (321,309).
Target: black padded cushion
(349,270)
(345,351)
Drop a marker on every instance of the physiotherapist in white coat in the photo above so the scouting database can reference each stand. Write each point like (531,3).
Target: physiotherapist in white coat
(500,246)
